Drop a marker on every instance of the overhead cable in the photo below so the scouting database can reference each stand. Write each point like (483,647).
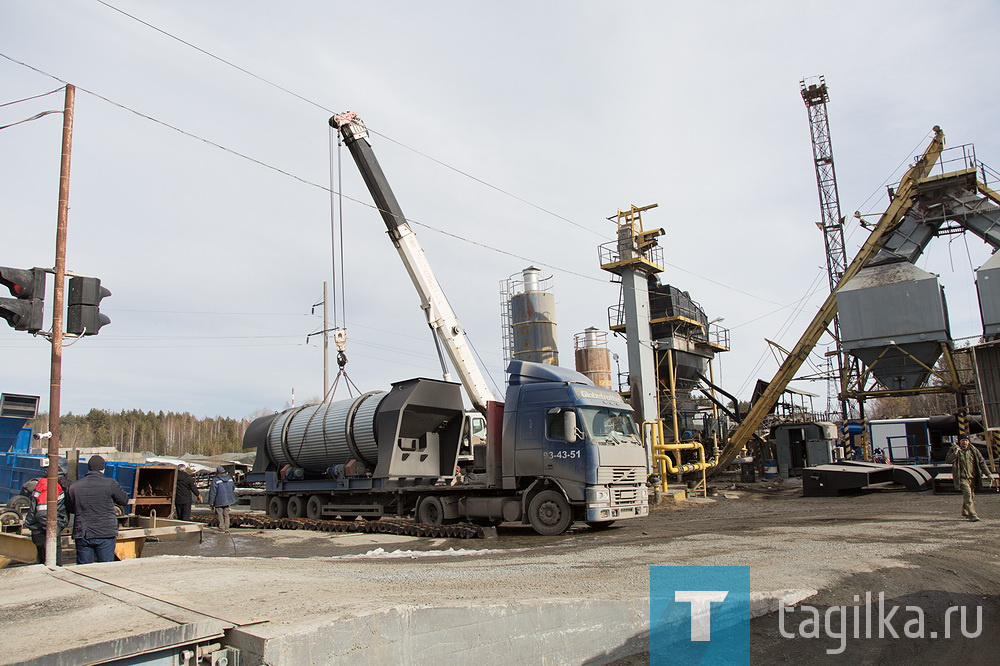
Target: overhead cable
(348,197)
(324,108)
(28,120)
(18,101)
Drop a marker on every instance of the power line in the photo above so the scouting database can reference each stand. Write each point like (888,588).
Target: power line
(215,57)
(324,108)
(352,199)
(18,101)
(291,175)
(489,185)
(28,120)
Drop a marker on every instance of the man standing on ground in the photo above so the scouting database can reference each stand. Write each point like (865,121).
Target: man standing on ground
(185,493)
(222,495)
(968,467)
(92,500)
(35,519)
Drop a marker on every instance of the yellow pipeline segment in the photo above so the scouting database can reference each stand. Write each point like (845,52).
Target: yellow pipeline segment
(665,462)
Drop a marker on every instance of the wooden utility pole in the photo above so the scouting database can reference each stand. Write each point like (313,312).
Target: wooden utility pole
(55,381)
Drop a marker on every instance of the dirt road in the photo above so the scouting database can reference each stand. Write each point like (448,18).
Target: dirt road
(912,547)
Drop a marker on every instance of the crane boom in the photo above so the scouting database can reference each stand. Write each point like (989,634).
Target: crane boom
(898,208)
(440,316)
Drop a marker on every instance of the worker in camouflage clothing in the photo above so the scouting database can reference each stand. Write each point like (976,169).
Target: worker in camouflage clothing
(968,467)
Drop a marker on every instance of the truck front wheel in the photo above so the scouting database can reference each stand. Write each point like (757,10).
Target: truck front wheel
(549,513)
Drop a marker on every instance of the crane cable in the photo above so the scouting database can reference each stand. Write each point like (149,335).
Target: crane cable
(337,265)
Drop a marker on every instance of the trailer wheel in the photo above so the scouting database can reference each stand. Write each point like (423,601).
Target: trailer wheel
(19,503)
(277,507)
(314,507)
(430,511)
(549,513)
(9,518)
(296,506)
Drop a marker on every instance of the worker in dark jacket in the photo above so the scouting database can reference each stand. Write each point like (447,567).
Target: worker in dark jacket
(968,467)
(92,500)
(36,518)
(222,495)
(185,493)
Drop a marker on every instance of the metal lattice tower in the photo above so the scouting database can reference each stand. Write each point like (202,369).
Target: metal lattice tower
(815,96)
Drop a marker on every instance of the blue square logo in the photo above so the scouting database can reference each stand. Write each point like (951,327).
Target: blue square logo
(699,615)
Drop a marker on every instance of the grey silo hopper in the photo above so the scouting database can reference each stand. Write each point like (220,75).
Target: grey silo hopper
(988,286)
(893,318)
(677,322)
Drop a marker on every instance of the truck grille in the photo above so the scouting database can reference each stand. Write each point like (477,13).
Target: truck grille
(609,475)
(624,496)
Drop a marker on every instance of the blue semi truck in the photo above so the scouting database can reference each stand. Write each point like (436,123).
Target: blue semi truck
(559,449)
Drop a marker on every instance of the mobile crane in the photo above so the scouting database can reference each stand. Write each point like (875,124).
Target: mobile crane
(559,449)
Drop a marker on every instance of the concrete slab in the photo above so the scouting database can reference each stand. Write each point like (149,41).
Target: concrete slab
(60,617)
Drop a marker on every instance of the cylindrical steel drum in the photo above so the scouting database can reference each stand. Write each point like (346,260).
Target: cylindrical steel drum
(592,356)
(332,433)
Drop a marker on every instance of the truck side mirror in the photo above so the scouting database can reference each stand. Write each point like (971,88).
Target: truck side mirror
(569,426)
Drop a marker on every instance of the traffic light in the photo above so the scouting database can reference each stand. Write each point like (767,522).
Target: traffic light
(24,311)
(84,316)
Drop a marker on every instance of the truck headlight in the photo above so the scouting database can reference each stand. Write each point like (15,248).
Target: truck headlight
(643,495)
(598,495)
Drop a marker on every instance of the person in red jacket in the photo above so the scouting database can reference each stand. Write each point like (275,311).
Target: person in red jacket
(35,519)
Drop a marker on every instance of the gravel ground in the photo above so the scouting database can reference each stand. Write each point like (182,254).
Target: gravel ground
(913,547)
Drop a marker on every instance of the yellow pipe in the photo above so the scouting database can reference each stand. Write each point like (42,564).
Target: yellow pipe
(665,462)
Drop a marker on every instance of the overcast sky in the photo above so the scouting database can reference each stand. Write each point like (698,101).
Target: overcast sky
(509,131)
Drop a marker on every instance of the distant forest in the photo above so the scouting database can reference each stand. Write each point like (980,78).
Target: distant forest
(163,433)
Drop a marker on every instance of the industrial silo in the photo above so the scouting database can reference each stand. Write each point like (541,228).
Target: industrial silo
(532,317)
(593,358)
(894,319)
(988,286)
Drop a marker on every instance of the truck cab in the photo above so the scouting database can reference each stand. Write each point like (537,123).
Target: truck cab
(563,434)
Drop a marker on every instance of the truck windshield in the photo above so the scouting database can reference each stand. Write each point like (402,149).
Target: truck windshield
(614,426)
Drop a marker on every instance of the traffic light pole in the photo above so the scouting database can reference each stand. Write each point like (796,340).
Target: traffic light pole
(55,381)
